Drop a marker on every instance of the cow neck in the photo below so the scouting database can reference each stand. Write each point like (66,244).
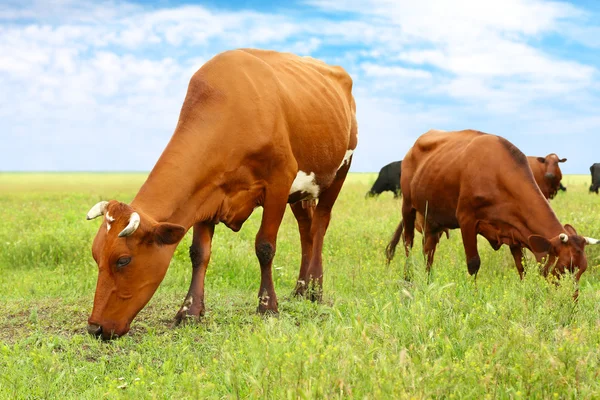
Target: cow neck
(182,187)
(536,218)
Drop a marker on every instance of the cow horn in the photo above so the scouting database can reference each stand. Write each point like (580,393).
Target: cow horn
(591,240)
(134,222)
(563,237)
(98,210)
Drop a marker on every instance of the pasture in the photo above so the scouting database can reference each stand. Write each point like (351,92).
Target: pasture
(375,335)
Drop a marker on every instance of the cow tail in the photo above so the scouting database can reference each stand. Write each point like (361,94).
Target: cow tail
(390,249)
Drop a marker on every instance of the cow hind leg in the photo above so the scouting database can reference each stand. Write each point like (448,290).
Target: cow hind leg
(193,305)
(303,211)
(409,215)
(429,247)
(320,222)
(390,249)
(265,247)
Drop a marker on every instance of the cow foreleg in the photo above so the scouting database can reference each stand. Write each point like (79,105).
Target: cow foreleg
(469,236)
(193,305)
(517,253)
(304,217)
(265,246)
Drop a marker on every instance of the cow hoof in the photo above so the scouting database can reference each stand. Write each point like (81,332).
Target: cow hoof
(312,291)
(300,289)
(184,318)
(312,295)
(315,296)
(473,265)
(268,312)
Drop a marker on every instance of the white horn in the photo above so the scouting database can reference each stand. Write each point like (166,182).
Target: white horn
(563,237)
(134,222)
(591,240)
(98,210)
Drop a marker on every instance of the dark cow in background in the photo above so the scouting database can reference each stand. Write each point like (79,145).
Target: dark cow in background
(482,184)
(595,171)
(388,180)
(547,174)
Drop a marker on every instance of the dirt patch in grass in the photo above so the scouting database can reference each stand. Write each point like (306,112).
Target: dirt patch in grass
(22,318)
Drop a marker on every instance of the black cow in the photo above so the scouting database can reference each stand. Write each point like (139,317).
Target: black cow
(595,171)
(388,179)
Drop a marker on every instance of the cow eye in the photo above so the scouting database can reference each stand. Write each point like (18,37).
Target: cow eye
(123,261)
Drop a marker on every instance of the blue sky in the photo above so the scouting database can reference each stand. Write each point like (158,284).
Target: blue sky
(97,85)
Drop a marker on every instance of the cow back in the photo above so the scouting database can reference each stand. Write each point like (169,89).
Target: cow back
(285,102)
(446,171)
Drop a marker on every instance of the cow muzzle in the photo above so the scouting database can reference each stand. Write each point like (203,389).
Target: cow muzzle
(549,176)
(94,330)
(106,333)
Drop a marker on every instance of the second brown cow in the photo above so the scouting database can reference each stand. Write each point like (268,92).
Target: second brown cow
(482,184)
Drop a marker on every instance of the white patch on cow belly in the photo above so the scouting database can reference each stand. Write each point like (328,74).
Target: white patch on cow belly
(305,184)
(346,158)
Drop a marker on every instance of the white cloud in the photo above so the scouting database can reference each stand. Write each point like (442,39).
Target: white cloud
(379,71)
(388,127)
(83,70)
(503,82)
(504,59)
(441,20)
(482,48)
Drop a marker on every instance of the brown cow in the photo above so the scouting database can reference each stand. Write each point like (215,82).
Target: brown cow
(257,128)
(547,174)
(483,185)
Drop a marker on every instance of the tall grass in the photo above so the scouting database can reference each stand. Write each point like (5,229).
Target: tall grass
(374,336)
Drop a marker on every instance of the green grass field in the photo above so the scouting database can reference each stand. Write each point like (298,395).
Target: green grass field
(374,336)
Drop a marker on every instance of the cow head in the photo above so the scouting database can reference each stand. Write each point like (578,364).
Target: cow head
(552,171)
(564,252)
(133,253)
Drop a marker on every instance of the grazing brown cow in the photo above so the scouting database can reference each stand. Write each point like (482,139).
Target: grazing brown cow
(257,128)
(547,174)
(483,185)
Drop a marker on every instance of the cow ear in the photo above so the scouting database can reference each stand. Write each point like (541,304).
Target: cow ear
(562,160)
(541,159)
(166,233)
(570,230)
(539,244)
